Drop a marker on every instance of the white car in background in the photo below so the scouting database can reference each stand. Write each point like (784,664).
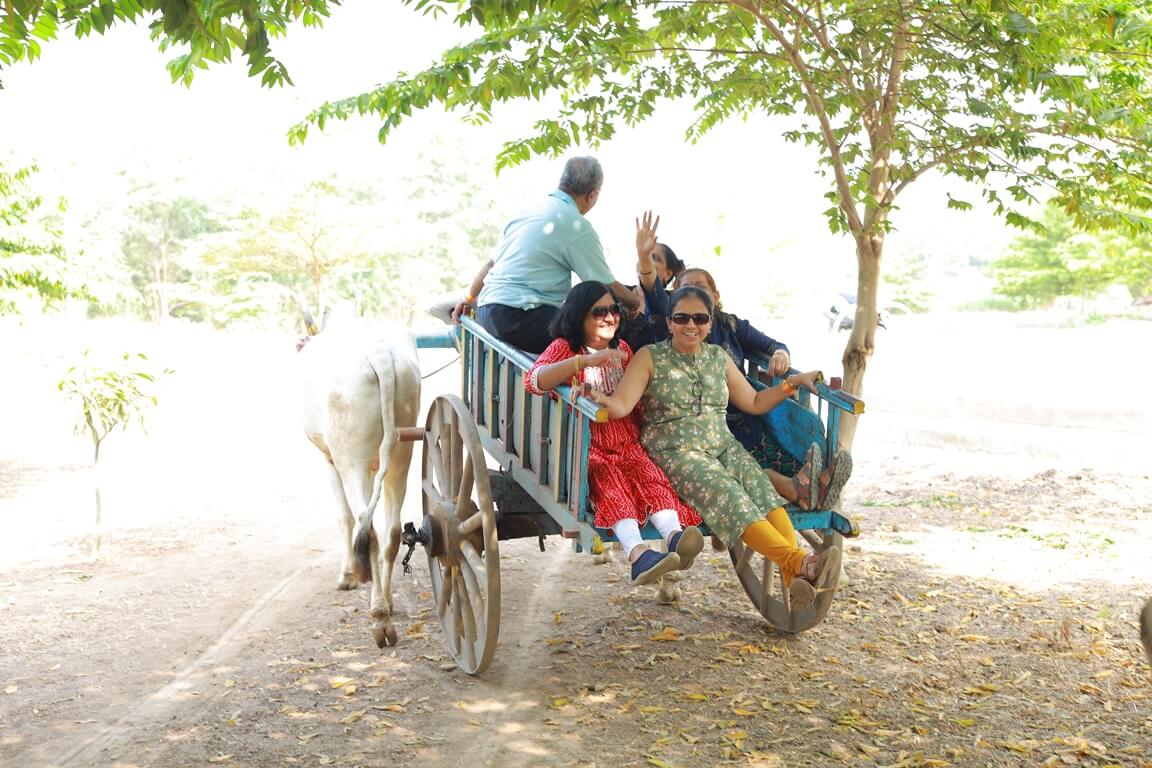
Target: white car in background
(841,313)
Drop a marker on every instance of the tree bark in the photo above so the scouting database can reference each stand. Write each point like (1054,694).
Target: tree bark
(862,340)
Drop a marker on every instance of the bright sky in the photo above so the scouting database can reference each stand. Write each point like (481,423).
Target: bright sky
(91,109)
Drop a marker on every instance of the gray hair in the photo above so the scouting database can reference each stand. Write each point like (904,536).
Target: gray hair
(581,176)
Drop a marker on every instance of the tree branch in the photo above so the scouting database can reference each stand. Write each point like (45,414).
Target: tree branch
(816,104)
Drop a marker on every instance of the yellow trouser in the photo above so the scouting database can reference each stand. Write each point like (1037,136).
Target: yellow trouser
(775,538)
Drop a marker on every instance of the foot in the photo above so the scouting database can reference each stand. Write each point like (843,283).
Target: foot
(817,574)
(802,590)
(687,544)
(833,479)
(804,481)
(651,565)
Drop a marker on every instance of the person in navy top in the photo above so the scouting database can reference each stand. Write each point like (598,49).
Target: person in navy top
(737,336)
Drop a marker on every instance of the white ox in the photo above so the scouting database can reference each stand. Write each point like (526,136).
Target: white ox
(360,382)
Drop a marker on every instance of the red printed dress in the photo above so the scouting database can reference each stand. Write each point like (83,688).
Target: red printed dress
(621,477)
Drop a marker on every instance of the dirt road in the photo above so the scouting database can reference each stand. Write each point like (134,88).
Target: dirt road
(990,619)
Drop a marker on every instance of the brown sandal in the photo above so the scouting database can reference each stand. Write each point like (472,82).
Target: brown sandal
(805,481)
(802,590)
(838,470)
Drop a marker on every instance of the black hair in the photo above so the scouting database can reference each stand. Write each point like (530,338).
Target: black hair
(568,324)
(690,291)
(672,261)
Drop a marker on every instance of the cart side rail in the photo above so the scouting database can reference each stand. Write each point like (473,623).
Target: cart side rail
(541,441)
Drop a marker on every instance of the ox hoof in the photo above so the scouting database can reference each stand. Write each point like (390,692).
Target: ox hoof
(673,576)
(602,558)
(384,634)
(668,593)
(347,581)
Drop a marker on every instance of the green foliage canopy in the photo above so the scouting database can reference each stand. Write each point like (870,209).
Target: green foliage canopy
(1026,98)
(1038,94)
(206,31)
(158,247)
(31,255)
(1058,260)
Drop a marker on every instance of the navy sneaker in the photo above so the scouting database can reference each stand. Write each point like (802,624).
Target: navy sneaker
(652,565)
(687,543)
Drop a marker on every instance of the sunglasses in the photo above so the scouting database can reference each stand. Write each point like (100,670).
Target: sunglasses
(601,312)
(699,318)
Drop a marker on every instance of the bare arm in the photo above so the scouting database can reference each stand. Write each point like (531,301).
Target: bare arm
(645,243)
(473,291)
(746,398)
(624,295)
(631,388)
(553,375)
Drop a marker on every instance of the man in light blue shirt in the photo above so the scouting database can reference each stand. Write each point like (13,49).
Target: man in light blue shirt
(520,290)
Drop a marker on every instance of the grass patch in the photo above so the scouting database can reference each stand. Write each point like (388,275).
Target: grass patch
(942,501)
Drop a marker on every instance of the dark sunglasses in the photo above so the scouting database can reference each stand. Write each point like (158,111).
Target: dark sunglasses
(682,318)
(601,312)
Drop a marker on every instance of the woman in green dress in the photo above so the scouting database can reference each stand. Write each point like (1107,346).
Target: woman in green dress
(685,385)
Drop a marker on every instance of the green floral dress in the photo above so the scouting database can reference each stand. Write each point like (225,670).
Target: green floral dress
(686,434)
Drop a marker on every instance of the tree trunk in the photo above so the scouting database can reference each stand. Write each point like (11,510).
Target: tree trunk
(862,341)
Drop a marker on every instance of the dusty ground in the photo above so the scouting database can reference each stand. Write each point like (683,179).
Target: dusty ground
(990,619)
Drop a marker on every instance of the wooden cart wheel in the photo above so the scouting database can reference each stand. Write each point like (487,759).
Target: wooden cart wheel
(765,587)
(464,556)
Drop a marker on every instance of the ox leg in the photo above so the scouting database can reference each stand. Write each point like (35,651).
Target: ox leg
(359,489)
(395,485)
(347,523)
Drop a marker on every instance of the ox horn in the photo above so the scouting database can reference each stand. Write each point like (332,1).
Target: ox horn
(309,323)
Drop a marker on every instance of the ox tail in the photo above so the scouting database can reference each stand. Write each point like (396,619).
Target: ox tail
(366,543)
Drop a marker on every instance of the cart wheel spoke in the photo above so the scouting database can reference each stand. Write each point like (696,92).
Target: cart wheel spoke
(463,492)
(475,583)
(470,525)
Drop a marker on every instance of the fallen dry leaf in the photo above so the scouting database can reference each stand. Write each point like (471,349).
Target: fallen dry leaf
(666,635)
(354,717)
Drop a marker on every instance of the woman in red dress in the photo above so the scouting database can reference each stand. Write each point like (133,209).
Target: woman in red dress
(626,488)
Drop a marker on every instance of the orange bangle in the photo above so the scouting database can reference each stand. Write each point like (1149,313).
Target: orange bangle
(787,387)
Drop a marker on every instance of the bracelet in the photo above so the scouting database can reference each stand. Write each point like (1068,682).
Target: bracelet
(469,298)
(578,365)
(787,387)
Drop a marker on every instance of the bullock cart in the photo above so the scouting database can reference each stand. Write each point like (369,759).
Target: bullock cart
(537,486)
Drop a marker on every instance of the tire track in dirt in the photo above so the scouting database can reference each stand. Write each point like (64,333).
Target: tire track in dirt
(499,720)
(189,692)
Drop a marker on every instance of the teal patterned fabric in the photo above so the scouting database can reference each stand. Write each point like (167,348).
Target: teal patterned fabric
(686,434)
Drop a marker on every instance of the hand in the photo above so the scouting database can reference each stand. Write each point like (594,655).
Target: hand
(646,234)
(779,363)
(638,292)
(461,310)
(807,380)
(605,358)
(595,395)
